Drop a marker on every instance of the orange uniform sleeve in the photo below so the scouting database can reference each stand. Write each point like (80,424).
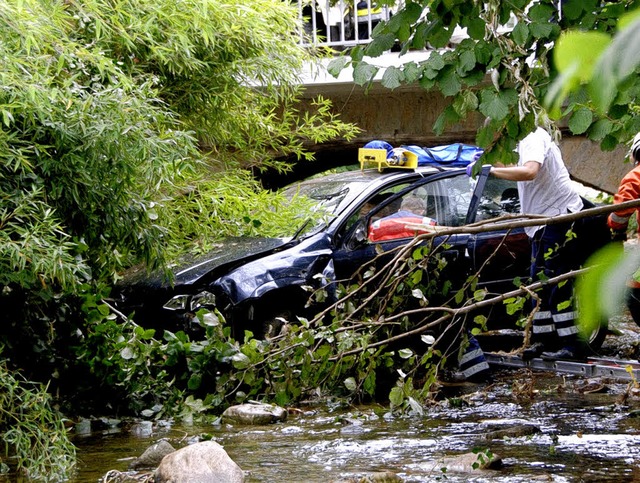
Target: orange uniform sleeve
(628,190)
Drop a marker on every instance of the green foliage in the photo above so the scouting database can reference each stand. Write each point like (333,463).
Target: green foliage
(601,291)
(36,443)
(125,127)
(105,107)
(232,204)
(516,54)
(348,351)
(598,61)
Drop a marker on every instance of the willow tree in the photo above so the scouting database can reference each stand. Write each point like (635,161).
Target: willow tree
(107,105)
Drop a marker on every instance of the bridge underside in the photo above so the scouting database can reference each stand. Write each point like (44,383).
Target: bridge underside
(406,116)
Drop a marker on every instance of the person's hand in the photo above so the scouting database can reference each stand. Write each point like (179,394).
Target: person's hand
(473,162)
(470,168)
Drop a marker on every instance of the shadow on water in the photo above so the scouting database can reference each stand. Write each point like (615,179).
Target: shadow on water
(585,430)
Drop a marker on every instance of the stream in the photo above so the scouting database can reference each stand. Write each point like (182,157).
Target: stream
(589,430)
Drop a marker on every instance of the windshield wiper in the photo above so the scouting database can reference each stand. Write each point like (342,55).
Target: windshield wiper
(330,196)
(300,230)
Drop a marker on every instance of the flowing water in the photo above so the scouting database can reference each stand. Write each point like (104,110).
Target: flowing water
(589,431)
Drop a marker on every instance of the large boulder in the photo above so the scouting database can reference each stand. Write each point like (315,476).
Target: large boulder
(254,413)
(199,463)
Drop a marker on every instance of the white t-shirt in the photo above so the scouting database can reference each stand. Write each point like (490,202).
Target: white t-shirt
(550,193)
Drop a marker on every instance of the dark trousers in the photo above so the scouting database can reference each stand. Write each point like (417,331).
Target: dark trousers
(554,254)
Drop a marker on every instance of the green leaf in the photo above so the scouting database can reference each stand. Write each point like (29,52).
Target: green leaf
(493,105)
(479,295)
(369,384)
(350,384)
(240,360)
(412,72)
(572,9)
(380,44)
(466,61)
(364,73)
(194,382)
(475,29)
(416,278)
(435,61)
(580,120)
(392,77)
(7,117)
(577,52)
(618,61)
(541,13)
(541,30)
(396,397)
(440,35)
(600,129)
(405,353)
(520,33)
(408,15)
(449,83)
(601,291)
(337,64)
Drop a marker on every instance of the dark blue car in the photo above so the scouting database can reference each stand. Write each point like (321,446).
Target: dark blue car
(255,282)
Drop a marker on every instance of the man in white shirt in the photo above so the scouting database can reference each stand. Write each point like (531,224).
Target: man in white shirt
(545,189)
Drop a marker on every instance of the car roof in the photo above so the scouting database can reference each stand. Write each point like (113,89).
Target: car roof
(371,174)
(365,183)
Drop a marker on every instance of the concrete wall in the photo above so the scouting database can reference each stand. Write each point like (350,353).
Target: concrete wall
(406,116)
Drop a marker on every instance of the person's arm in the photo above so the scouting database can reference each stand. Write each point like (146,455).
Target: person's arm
(628,190)
(527,172)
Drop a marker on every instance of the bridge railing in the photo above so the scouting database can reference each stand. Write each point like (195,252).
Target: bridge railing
(341,23)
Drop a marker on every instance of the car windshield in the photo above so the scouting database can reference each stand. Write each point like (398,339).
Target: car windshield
(327,197)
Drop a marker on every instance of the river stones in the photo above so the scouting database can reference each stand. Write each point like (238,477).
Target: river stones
(471,462)
(152,456)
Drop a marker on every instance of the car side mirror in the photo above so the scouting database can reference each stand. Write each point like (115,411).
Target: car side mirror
(359,235)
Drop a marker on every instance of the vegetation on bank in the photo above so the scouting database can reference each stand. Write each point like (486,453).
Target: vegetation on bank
(117,116)
(114,116)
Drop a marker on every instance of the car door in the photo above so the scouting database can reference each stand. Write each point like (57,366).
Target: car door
(440,200)
(498,256)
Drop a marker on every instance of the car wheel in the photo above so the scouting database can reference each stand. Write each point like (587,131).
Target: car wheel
(633,304)
(269,321)
(595,339)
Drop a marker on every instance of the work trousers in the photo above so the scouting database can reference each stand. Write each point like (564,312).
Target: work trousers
(554,254)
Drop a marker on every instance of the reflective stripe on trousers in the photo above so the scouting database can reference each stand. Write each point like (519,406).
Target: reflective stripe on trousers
(473,360)
(565,323)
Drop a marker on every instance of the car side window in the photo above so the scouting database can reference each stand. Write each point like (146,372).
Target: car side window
(499,198)
(443,202)
(373,202)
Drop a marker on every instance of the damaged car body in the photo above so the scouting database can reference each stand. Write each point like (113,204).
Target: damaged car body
(254,283)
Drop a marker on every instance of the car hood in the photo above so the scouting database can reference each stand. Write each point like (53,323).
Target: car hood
(225,255)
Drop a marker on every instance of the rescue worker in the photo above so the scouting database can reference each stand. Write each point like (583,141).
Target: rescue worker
(618,221)
(545,188)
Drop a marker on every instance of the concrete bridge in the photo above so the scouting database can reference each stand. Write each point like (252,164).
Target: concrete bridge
(406,115)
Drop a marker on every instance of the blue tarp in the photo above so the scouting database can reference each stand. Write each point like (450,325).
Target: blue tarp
(456,154)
